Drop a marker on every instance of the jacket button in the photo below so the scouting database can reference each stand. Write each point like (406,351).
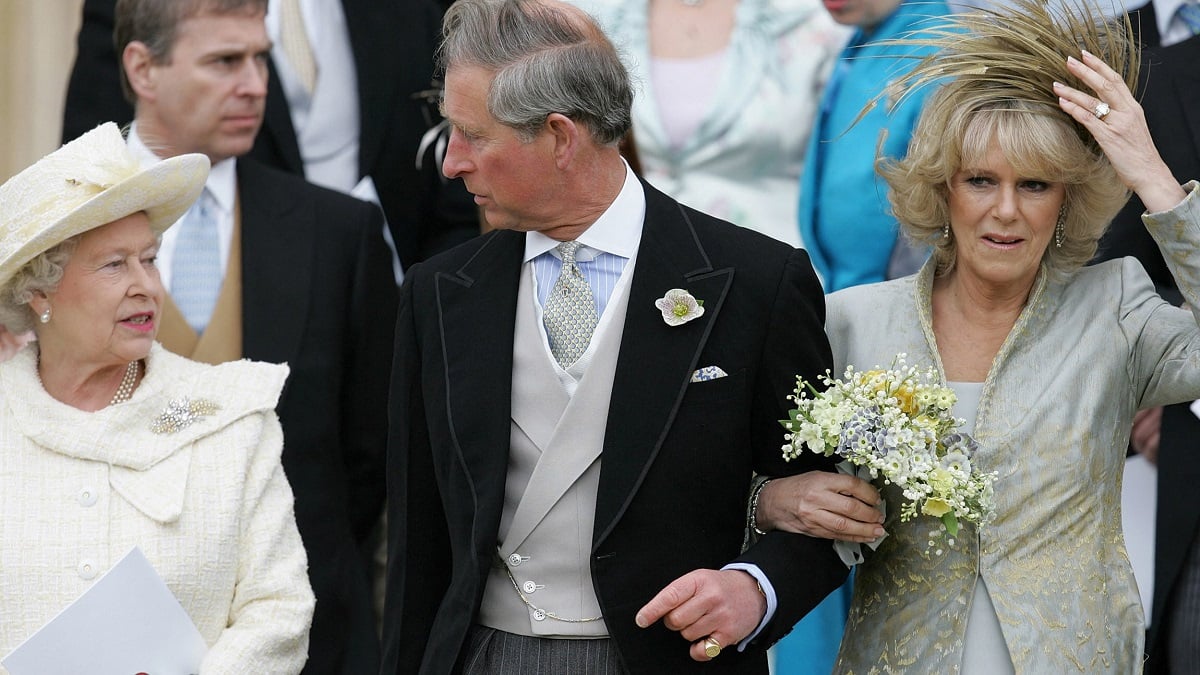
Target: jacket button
(529,587)
(87,496)
(87,569)
(539,615)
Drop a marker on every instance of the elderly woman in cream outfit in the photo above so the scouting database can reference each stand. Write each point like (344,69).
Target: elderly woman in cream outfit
(1012,177)
(109,442)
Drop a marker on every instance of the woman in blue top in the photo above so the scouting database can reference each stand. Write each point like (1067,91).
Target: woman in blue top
(845,220)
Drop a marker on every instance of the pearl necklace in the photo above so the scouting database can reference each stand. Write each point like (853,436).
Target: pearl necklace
(126,389)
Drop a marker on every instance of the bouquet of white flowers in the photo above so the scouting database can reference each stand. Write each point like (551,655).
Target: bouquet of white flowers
(896,423)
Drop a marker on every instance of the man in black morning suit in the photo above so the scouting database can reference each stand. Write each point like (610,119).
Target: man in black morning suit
(1171,101)
(313,289)
(571,467)
(392,43)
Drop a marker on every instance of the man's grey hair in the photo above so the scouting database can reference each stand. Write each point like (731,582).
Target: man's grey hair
(547,57)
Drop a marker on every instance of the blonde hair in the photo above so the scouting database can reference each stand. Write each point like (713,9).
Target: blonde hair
(1035,139)
(996,67)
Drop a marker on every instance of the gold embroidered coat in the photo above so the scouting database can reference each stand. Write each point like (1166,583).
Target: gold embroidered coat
(1054,420)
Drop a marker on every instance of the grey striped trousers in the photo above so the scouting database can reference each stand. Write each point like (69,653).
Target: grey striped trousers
(494,652)
(1183,622)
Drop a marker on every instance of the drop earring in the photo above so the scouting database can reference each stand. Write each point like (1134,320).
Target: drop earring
(44,317)
(1060,227)
(946,231)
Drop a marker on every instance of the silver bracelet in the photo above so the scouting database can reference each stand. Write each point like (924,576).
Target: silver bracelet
(754,495)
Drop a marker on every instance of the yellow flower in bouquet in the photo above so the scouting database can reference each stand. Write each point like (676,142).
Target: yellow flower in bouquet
(935,507)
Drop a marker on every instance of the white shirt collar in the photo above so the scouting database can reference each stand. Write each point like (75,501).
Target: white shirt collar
(1164,16)
(617,231)
(222,177)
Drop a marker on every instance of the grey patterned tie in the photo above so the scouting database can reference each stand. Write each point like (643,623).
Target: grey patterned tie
(570,314)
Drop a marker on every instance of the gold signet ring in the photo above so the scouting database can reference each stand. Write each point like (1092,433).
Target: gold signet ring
(712,648)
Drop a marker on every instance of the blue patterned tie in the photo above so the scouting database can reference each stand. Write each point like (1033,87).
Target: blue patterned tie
(1189,14)
(570,314)
(196,269)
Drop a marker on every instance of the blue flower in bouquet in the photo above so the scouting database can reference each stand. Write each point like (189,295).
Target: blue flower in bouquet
(897,423)
(860,434)
(957,461)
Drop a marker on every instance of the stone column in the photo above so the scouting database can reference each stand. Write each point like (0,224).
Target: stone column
(37,49)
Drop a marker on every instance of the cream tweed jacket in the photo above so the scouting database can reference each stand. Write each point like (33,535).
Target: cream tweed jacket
(1087,351)
(203,495)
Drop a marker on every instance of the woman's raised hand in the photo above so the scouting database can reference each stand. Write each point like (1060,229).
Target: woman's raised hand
(1117,122)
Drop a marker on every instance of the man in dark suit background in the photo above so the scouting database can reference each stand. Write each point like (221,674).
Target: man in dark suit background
(302,277)
(392,44)
(567,490)
(1170,436)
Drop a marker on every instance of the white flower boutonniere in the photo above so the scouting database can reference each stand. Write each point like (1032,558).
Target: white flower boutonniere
(679,307)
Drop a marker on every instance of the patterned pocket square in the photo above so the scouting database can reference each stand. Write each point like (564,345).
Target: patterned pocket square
(708,373)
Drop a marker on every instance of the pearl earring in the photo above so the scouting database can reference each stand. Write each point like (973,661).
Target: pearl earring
(44,317)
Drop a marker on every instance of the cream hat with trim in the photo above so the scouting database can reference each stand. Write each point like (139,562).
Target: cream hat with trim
(91,181)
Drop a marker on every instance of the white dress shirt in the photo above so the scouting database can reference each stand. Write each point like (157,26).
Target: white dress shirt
(221,184)
(607,247)
(327,120)
(1170,30)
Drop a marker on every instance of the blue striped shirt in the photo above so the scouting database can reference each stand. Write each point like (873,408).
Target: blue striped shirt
(607,245)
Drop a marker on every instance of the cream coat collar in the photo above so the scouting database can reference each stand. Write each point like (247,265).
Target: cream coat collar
(148,468)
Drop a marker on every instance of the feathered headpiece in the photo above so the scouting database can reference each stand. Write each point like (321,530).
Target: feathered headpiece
(1016,50)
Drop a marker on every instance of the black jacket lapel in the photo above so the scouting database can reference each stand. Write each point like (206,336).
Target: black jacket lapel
(477,313)
(656,360)
(277,238)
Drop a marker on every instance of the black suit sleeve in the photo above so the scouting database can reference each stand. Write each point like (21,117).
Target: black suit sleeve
(94,90)
(373,299)
(418,562)
(802,569)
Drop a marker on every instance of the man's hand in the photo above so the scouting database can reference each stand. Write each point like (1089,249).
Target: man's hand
(725,605)
(822,504)
(1146,433)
